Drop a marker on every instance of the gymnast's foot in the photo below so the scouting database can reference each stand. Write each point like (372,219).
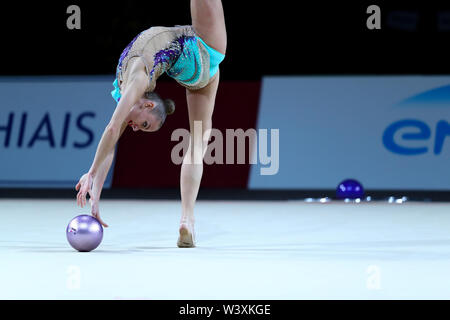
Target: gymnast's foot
(186,238)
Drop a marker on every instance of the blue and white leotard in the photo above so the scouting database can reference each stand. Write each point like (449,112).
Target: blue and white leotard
(178,51)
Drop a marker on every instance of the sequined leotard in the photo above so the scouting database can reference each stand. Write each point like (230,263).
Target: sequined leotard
(178,51)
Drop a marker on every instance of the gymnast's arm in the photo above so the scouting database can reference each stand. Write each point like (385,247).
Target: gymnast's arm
(99,181)
(136,87)
(102,172)
(134,91)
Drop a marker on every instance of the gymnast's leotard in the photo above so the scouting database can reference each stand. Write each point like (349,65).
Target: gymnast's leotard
(178,51)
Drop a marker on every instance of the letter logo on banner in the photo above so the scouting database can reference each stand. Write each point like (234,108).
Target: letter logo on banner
(44,132)
(422,132)
(418,130)
(442,131)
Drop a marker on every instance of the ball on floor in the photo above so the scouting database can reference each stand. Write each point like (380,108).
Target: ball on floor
(84,233)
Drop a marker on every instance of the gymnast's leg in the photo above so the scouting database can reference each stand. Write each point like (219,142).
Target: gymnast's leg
(208,21)
(200,109)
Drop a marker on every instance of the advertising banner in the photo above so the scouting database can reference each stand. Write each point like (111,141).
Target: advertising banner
(388,132)
(50,128)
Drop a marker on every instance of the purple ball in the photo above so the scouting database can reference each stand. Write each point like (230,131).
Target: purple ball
(84,233)
(349,189)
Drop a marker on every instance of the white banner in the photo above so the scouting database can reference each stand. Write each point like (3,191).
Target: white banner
(388,132)
(50,128)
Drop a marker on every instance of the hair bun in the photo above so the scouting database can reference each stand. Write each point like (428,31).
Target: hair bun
(169,106)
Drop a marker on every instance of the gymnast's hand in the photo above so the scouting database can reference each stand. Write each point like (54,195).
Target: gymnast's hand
(84,187)
(95,212)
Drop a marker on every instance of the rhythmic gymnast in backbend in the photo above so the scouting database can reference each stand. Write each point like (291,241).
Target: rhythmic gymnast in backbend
(189,54)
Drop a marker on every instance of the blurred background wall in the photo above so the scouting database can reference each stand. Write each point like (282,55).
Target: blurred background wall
(348,102)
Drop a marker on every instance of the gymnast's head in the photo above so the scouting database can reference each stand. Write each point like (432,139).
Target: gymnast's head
(150,112)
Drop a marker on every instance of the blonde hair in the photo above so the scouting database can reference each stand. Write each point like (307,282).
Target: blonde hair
(163,108)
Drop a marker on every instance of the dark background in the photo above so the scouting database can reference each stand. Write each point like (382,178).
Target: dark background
(264,37)
(281,37)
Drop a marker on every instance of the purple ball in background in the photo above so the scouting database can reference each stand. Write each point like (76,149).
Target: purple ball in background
(84,233)
(349,189)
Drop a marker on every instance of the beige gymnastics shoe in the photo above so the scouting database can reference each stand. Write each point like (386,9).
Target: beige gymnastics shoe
(187,236)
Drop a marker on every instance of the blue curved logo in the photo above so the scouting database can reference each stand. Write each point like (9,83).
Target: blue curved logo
(438,96)
(418,130)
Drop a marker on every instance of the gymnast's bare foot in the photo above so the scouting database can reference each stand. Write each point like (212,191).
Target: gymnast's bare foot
(186,238)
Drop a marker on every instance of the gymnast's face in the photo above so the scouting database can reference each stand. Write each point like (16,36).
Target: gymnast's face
(142,118)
